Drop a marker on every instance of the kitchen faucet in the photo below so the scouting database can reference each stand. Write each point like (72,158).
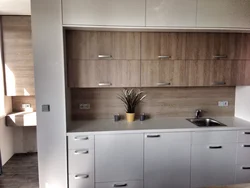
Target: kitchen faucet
(198,113)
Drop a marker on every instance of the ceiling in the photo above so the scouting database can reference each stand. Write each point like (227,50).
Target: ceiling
(15,7)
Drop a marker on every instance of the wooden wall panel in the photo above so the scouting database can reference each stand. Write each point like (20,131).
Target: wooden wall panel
(17,102)
(18,56)
(160,102)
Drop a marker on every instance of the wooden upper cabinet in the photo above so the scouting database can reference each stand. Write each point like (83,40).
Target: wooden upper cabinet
(163,73)
(163,46)
(18,56)
(104,12)
(103,45)
(103,73)
(171,13)
(223,13)
(242,72)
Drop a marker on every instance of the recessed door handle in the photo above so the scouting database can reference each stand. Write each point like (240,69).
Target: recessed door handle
(81,176)
(77,138)
(153,136)
(78,152)
(102,56)
(120,185)
(220,56)
(245,168)
(164,57)
(215,147)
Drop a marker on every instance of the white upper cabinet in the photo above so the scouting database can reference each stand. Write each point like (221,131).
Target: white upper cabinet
(172,13)
(104,12)
(223,13)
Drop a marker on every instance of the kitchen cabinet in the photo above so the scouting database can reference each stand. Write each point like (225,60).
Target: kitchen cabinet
(103,73)
(163,73)
(156,46)
(167,160)
(223,14)
(242,72)
(94,45)
(213,158)
(18,56)
(104,12)
(171,13)
(127,184)
(118,158)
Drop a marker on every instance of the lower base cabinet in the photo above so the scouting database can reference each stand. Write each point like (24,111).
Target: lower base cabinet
(81,181)
(127,184)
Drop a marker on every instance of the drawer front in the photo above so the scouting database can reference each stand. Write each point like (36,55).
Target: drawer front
(126,184)
(243,153)
(214,137)
(81,161)
(242,174)
(244,136)
(80,141)
(81,181)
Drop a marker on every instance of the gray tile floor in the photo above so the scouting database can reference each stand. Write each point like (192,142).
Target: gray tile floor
(21,171)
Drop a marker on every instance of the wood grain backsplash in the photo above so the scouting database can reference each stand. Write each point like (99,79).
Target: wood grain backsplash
(17,102)
(160,102)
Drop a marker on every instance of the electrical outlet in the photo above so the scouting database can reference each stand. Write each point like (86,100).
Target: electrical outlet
(84,106)
(223,103)
(26,106)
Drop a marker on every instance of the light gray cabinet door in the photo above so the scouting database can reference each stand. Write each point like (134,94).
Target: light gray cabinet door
(118,157)
(213,164)
(242,174)
(167,160)
(104,12)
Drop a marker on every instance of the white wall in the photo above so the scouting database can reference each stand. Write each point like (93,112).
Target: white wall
(242,102)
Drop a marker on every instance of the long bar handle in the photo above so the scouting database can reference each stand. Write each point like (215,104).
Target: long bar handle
(153,136)
(77,138)
(246,146)
(219,83)
(164,57)
(105,84)
(78,152)
(81,176)
(163,84)
(245,168)
(215,147)
(248,133)
(220,56)
(102,56)
(120,185)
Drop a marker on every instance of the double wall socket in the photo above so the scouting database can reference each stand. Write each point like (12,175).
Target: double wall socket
(223,103)
(84,106)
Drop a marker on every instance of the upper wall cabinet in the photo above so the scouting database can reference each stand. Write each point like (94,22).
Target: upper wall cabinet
(223,13)
(104,12)
(18,58)
(177,13)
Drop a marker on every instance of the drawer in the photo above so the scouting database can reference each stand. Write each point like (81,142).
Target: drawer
(81,180)
(244,136)
(242,174)
(126,184)
(243,153)
(80,141)
(214,137)
(81,161)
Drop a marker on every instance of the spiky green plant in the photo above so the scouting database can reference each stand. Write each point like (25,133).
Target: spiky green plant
(131,98)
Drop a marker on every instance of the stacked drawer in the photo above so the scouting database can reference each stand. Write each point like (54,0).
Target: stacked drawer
(81,161)
(243,157)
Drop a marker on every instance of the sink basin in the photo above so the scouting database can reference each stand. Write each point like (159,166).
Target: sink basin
(206,122)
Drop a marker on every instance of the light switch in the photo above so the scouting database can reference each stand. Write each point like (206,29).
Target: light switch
(45,108)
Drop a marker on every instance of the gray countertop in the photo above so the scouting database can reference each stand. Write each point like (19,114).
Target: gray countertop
(171,124)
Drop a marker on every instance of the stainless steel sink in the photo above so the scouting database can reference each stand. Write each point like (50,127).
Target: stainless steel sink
(206,122)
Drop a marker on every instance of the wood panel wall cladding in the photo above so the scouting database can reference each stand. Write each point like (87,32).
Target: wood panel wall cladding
(165,102)
(132,59)
(18,56)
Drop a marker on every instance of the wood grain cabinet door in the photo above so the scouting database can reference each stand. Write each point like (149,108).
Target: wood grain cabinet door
(104,12)
(94,45)
(18,55)
(171,13)
(163,46)
(242,72)
(103,73)
(163,73)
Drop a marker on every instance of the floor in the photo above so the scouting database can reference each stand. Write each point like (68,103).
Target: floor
(21,171)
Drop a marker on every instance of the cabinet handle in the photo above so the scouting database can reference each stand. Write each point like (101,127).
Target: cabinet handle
(246,146)
(77,138)
(81,176)
(78,152)
(215,147)
(219,83)
(220,56)
(245,168)
(163,84)
(120,185)
(164,57)
(104,56)
(153,136)
(246,133)
(105,84)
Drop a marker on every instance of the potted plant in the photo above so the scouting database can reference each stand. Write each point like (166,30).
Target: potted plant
(131,98)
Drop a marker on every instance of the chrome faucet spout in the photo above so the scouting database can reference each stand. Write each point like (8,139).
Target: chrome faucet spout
(198,113)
